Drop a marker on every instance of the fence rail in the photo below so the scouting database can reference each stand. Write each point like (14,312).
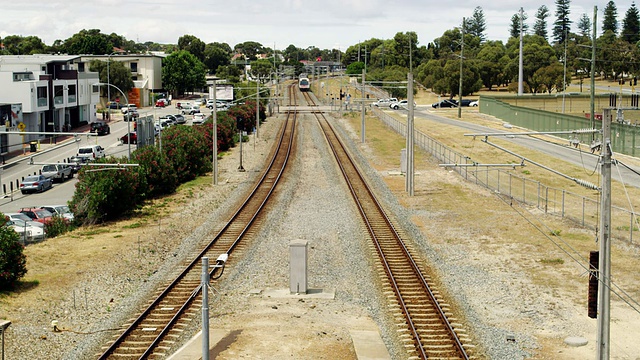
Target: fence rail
(582,210)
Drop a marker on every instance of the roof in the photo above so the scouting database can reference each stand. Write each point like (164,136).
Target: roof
(37,59)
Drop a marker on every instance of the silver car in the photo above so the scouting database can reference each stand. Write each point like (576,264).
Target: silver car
(35,183)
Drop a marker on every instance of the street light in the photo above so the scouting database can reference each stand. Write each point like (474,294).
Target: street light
(214,115)
(126,101)
(109,82)
(240,168)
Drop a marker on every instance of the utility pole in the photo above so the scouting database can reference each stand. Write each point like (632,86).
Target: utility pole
(205,307)
(410,165)
(520,64)
(214,115)
(593,69)
(460,82)
(362,130)
(604,293)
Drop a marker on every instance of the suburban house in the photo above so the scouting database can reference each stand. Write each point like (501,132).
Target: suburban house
(43,93)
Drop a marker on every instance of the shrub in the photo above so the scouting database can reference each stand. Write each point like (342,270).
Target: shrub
(108,193)
(13,262)
(57,226)
(186,149)
(161,179)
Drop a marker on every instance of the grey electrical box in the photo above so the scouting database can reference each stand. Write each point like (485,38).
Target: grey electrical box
(403,161)
(298,266)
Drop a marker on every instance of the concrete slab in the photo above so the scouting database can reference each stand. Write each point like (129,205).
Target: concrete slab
(311,294)
(192,350)
(368,345)
(576,341)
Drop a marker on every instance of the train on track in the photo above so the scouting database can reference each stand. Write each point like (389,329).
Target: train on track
(303,84)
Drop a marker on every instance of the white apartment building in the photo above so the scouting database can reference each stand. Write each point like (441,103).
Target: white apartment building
(146,73)
(44,93)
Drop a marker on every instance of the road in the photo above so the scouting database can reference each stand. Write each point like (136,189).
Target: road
(61,193)
(559,151)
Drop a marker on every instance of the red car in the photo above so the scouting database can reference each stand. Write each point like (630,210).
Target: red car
(133,136)
(162,102)
(37,214)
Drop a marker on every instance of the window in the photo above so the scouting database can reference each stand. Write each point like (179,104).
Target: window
(134,67)
(58,92)
(42,96)
(22,76)
(71,94)
(81,67)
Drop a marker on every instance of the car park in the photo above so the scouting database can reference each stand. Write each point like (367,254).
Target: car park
(57,172)
(91,152)
(198,119)
(60,210)
(35,183)
(100,128)
(37,214)
(181,104)
(130,137)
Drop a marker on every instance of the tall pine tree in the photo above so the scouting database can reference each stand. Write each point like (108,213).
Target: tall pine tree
(476,25)
(540,27)
(514,30)
(631,25)
(562,26)
(610,21)
(584,25)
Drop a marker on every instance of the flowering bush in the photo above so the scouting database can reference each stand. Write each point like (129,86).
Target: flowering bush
(186,150)
(13,262)
(161,179)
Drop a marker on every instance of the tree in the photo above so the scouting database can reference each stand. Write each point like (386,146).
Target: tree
(584,25)
(515,25)
(540,26)
(119,76)
(250,49)
(18,45)
(182,71)
(562,25)
(476,25)
(489,63)
(13,262)
(88,42)
(193,45)
(610,21)
(549,77)
(215,55)
(261,69)
(631,25)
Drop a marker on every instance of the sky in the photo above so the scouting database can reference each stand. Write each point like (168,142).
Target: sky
(326,24)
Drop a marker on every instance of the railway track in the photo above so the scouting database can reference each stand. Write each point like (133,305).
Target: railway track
(428,332)
(152,334)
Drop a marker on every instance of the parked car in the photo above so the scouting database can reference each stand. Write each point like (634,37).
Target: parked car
(131,115)
(91,152)
(180,119)
(446,103)
(466,102)
(57,172)
(25,218)
(76,163)
(60,210)
(384,102)
(128,107)
(37,214)
(198,119)
(401,104)
(171,119)
(26,230)
(100,128)
(190,110)
(35,183)
(132,136)
(162,103)
(181,104)
(114,105)
(474,103)
(199,102)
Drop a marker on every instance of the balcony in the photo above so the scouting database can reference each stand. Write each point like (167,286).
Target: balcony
(42,101)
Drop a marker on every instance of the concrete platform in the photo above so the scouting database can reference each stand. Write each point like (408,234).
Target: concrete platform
(367,343)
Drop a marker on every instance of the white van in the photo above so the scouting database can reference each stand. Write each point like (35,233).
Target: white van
(91,152)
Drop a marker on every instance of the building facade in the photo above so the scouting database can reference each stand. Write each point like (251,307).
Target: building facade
(46,94)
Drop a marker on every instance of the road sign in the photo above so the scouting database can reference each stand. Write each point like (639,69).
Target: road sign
(117,100)
(22,126)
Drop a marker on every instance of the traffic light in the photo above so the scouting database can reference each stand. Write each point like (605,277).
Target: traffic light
(592,297)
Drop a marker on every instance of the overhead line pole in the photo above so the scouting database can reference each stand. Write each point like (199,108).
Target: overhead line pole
(460,82)
(593,70)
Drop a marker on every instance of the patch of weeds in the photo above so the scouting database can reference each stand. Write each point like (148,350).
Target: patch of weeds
(117,236)
(555,232)
(133,225)
(526,172)
(552,261)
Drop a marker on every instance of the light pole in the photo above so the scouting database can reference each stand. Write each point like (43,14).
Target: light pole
(240,168)
(109,82)
(214,115)
(126,101)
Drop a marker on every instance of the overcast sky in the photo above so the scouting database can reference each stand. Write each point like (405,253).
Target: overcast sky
(326,24)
